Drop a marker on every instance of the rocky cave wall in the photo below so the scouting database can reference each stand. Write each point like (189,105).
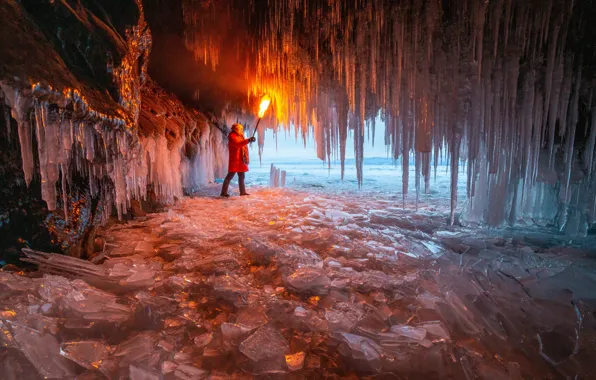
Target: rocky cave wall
(86,134)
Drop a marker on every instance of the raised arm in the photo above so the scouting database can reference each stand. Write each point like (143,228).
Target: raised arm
(236,141)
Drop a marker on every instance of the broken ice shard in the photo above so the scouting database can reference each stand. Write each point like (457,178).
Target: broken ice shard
(137,348)
(361,349)
(139,372)
(189,372)
(87,353)
(265,344)
(203,339)
(252,317)
(230,288)
(415,333)
(308,280)
(42,350)
(436,329)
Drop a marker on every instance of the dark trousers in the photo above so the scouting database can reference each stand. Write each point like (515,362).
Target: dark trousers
(226,184)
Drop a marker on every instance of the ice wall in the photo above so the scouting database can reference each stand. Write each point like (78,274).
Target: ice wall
(130,139)
(120,165)
(503,85)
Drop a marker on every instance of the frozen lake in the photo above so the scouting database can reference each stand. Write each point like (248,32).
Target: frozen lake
(305,283)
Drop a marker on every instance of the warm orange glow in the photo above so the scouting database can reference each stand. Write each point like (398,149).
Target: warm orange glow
(264,105)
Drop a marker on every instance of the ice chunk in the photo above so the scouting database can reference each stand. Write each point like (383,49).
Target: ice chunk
(461,315)
(231,332)
(189,372)
(252,317)
(17,283)
(415,333)
(88,353)
(66,265)
(337,215)
(168,367)
(308,280)
(138,372)
(265,345)
(203,339)
(300,312)
(360,349)
(374,280)
(144,248)
(259,252)
(15,366)
(52,288)
(343,316)
(96,305)
(436,328)
(141,276)
(137,348)
(308,320)
(42,350)
(230,288)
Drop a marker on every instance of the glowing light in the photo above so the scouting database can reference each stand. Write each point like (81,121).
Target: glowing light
(295,361)
(265,102)
(8,314)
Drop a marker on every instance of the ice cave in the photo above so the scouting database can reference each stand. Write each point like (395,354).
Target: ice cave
(300,189)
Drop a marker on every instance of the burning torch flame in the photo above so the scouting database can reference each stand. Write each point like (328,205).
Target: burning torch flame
(264,105)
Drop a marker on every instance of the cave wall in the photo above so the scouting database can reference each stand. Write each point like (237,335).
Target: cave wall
(87,133)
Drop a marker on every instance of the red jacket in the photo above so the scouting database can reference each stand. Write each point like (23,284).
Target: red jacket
(236,145)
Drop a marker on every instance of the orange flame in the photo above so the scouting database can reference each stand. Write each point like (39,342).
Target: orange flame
(264,105)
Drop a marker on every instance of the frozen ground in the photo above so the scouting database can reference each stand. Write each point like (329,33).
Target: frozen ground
(305,282)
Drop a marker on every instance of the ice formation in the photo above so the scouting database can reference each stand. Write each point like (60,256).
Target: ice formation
(150,143)
(310,286)
(101,148)
(496,84)
(277,177)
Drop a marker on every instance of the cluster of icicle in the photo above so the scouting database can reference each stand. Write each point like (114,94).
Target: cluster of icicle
(277,177)
(119,165)
(491,83)
(73,138)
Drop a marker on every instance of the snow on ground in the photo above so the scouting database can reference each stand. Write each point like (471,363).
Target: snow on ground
(307,282)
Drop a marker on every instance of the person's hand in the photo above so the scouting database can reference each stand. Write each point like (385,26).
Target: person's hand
(252,139)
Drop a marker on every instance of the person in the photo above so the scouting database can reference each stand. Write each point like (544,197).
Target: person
(238,163)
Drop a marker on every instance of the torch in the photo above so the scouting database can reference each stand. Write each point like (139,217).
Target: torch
(262,109)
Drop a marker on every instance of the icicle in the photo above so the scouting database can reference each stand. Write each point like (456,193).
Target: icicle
(7,121)
(589,152)
(64,192)
(553,111)
(20,106)
(454,177)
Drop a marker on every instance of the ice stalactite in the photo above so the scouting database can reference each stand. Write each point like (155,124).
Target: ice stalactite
(19,106)
(450,78)
(129,141)
(102,150)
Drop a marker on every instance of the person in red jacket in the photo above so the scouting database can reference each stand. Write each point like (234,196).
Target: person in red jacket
(238,163)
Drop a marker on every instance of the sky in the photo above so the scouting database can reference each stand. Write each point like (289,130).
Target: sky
(284,146)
